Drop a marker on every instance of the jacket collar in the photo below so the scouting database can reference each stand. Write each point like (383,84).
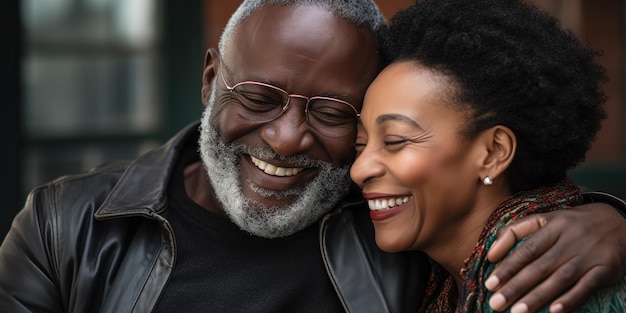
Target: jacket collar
(142,189)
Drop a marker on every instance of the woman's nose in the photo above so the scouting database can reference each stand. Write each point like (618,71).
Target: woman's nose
(366,167)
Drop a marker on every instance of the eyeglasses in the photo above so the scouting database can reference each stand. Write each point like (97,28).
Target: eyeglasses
(263,103)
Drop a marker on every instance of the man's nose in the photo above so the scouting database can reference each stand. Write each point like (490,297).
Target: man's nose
(290,133)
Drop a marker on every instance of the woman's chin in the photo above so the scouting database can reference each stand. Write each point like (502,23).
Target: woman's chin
(388,244)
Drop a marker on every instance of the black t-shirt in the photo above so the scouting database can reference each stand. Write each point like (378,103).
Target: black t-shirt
(220,268)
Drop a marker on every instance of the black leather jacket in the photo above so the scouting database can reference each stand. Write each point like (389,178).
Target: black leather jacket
(97,242)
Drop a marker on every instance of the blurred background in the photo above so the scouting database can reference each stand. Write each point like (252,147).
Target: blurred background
(91,81)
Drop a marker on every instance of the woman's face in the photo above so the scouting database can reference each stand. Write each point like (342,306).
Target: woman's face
(418,174)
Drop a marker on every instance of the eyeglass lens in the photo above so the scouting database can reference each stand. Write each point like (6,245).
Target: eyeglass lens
(262,103)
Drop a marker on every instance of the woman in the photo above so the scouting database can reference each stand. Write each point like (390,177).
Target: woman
(474,124)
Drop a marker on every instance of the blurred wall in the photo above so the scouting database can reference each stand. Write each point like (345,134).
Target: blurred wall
(86,82)
(10,88)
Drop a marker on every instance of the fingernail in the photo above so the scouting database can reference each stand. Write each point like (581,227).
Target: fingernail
(497,302)
(556,308)
(520,308)
(492,283)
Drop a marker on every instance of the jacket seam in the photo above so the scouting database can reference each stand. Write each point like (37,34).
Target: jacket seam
(333,279)
(597,196)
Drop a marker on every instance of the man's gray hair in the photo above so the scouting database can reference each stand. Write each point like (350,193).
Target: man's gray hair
(359,12)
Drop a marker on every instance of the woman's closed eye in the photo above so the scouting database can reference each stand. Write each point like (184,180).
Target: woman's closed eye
(395,141)
(359,145)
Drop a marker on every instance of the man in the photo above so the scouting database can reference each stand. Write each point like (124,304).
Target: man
(263,218)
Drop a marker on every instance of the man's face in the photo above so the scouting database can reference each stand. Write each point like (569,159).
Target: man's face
(278,177)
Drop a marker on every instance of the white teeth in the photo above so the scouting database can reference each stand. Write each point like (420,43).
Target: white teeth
(384,204)
(274,170)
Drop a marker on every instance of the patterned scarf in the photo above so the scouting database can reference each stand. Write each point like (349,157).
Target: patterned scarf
(442,295)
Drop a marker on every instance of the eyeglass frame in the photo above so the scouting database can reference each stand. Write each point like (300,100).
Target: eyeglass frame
(285,107)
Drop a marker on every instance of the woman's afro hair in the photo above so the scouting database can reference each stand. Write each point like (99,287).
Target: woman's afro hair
(512,65)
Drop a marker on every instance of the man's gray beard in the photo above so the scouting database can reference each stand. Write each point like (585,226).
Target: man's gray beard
(313,201)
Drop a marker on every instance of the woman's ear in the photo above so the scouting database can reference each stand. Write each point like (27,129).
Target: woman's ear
(500,143)
(211,66)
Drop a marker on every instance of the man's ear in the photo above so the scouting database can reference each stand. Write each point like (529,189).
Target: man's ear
(500,143)
(211,66)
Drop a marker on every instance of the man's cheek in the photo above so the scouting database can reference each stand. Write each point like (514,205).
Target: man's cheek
(343,148)
(228,123)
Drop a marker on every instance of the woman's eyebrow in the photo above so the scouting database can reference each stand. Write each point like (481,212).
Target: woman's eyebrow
(396,117)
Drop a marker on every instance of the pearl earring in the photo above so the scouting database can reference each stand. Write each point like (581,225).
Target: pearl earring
(487,181)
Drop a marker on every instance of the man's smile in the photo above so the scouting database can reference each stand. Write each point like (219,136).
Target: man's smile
(274,170)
